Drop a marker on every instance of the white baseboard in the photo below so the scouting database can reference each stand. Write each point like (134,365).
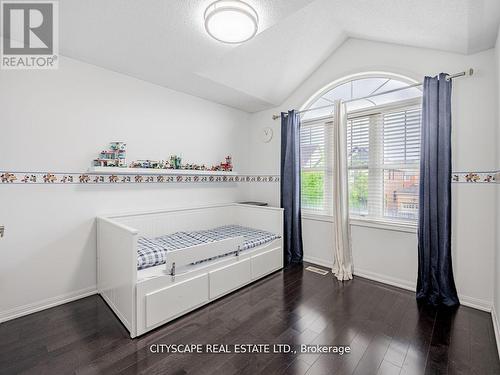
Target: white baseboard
(475,303)
(393,281)
(496,328)
(318,261)
(46,304)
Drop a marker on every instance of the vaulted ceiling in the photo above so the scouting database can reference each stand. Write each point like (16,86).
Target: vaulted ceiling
(164,41)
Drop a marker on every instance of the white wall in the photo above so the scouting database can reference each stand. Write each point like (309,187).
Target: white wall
(474,121)
(59,121)
(497,250)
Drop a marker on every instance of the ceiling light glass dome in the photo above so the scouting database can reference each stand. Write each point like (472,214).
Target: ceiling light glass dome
(231,21)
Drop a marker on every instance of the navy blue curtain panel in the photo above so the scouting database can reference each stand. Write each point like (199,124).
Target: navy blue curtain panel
(435,284)
(290,187)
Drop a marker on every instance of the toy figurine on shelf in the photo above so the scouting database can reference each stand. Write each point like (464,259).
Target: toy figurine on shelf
(228,165)
(118,146)
(164,164)
(145,164)
(176,162)
(114,157)
(224,167)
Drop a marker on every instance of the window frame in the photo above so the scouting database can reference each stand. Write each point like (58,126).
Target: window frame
(409,226)
(325,211)
(379,221)
(354,77)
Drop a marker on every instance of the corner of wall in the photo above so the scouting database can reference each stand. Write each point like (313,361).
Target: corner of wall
(496,292)
(496,328)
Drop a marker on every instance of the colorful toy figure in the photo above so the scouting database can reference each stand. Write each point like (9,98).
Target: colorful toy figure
(228,165)
(118,146)
(145,164)
(114,157)
(175,162)
(163,164)
(225,167)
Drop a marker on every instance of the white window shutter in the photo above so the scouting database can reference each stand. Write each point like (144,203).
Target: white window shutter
(316,143)
(384,154)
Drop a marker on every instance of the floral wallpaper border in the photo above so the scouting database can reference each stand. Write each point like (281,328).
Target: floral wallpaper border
(30,178)
(475,177)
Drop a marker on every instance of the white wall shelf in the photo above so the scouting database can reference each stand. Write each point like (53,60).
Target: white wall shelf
(143,171)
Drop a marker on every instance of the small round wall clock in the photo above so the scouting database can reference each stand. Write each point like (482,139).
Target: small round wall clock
(266,134)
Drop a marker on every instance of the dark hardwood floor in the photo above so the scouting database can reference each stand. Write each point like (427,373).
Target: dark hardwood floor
(386,330)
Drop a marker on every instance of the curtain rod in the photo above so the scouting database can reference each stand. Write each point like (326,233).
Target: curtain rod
(465,73)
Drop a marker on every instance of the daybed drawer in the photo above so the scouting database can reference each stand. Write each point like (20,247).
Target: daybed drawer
(176,299)
(230,277)
(266,262)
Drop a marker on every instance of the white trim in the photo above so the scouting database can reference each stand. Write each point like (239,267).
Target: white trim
(317,217)
(386,225)
(371,223)
(475,303)
(310,121)
(31,308)
(393,281)
(319,261)
(496,328)
(472,302)
(412,103)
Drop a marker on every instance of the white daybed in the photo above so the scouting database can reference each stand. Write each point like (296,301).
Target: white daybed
(147,298)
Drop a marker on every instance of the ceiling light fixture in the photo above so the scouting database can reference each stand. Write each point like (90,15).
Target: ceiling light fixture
(231,21)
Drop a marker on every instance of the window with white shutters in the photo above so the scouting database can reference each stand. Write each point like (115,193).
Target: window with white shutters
(383,148)
(383,145)
(401,135)
(316,144)
(358,157)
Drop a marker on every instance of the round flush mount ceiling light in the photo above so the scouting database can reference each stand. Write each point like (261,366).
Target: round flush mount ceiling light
(231,21)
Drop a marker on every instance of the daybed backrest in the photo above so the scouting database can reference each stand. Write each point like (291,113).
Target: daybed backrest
(155,224)
(264,218)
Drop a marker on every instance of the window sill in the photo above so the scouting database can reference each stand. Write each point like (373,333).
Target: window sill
(369,223)
(385,225)
(317,217)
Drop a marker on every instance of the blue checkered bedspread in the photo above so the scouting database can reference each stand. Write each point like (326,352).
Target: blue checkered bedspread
(153,251)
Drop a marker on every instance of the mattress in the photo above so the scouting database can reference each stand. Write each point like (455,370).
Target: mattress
(154,251)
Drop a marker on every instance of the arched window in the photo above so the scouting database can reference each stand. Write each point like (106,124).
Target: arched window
(383,146)
(366,85)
